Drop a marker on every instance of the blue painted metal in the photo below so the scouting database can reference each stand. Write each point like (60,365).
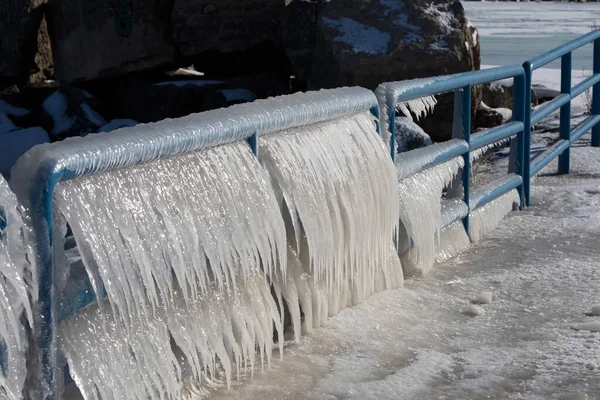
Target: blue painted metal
(584,85)
(253,142)
(491,191)
(519,116)
(549,107)
(418,160)
(453,210)
(489,136)
(39,171)
(584,126)
(564,160)
(548,155)
(596,94)
(560,51)
(2,221)
(528,68)
(466,172)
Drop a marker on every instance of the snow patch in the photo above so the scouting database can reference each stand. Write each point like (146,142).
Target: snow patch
(361,38)
(56,106)
(116,124)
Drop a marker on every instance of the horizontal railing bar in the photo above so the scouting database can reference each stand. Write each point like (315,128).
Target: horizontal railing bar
(417,88)
(584,126)
(559,51)
(452,211)
(548,108)
(493,135)
(491,191)
(584,85)
(414,161)
(546,157)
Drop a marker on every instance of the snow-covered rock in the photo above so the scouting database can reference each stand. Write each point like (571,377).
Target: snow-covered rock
(473,311)
(594,311)
(483,298)
(15,143)
(409,135)
(353,42)
(6,112)
(587,326)
(71,112)
(116,124)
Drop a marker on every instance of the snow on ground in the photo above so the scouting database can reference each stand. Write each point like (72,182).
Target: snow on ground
(416,343)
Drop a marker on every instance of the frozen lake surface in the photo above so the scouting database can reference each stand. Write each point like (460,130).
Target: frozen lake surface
(511,33)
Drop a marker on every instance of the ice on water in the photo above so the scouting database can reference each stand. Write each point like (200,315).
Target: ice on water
(14,298)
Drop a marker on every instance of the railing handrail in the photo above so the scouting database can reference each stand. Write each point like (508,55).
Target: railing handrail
(554,54)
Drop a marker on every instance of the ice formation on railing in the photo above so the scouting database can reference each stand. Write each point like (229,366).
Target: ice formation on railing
(14,298)
(477,154)
(179,245)
(452,241)
(420,107)
(420,211)
(486,218)
(339,189)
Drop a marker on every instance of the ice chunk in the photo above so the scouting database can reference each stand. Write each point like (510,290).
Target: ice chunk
(483,298)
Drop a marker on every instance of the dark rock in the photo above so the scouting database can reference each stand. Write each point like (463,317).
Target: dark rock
(367,43)
(145,101)
(543,93)
(16,143)
(13,113)
(499,95)
(99,38)
(117,124)
(409,135)
(227,37)
(70,112)
(19,23)
(487,117)
(43,67)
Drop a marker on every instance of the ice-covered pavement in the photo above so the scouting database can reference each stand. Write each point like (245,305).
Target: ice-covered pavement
(416,343)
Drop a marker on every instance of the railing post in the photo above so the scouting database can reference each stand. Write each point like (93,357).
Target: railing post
(564,160)
(596,95)
(253,142)
(518,156)
(466,177)
(527,134)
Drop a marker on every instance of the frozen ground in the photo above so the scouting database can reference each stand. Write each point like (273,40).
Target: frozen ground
(511,33)
(416,343)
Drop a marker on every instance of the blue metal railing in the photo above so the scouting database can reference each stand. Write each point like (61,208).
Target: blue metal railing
(392,93)
(40,170)
(567,135)
(144,143)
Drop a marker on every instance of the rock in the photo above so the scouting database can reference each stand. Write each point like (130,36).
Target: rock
(43,68)
(587,326)
(544,94)
(9,114)
(487,117)
(594,311)
(500,94)
(226,37)
(117,124)
(146,101)
(15,143)
(70,112)
(483,298)
(473,311)
(367,43)
(93,39)
(409,135)
(20,20)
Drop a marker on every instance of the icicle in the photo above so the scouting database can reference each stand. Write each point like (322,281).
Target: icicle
(14,296)
(341,206)
(453,241)
(419,107)
(420,212)
(485,219)
(186,220)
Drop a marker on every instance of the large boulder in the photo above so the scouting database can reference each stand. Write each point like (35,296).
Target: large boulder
(19,26)
(93,39)
(366,43)
(229,37)
(70,111)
